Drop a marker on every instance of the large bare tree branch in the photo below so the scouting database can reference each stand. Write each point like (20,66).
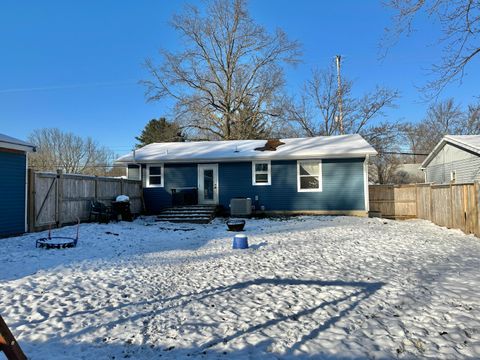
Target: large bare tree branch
(228,80)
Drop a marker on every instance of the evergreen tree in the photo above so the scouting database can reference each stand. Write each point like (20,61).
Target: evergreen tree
(160,131)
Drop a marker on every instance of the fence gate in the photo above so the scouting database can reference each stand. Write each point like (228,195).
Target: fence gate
(57,199)
(45,196)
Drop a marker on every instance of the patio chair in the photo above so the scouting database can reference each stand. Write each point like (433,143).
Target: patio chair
(100,212)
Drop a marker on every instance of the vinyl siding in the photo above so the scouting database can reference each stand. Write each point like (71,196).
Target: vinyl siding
(343,187)
(12,193)
(176,176)
(451,158)
(342,180)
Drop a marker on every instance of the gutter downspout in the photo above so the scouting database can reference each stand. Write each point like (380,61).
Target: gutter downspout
(365,184)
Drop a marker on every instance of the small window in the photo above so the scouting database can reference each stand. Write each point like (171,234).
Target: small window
(261,173)
(309,176)
(133,172)
(155,176)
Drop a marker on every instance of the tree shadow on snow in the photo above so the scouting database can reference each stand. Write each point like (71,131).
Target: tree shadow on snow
(361,291)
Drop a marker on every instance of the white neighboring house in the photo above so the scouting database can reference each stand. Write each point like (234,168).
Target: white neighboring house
(455,159)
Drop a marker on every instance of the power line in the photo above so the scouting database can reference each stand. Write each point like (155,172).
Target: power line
(71,86)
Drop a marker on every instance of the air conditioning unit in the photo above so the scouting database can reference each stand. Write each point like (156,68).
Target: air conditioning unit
(240,207)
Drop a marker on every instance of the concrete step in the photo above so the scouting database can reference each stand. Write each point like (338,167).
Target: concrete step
(199,214)
(188,221)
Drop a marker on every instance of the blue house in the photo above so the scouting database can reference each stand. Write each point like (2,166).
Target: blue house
(317,175)
(13,185)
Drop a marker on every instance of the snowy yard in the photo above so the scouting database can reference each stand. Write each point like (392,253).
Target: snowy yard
(309,287)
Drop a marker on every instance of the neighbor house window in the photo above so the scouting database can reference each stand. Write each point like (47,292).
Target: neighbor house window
(133,172)
(309,175)
(261,173)
(453,176)
(155,175)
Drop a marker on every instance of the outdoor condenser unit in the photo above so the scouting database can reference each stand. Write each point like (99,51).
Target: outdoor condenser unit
(241,207)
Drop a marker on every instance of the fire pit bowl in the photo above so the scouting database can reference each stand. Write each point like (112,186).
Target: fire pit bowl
(235,225)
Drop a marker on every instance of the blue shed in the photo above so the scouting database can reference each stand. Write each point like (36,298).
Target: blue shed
(317,175)
(13,185)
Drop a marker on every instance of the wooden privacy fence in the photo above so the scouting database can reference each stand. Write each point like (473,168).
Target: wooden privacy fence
(453,205)
(57,199)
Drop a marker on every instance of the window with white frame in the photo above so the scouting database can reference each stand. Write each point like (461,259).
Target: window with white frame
(261,173)
(155,175)
(133,172)
(453,176)
(309,175)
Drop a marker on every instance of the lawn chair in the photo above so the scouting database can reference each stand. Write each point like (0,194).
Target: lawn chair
(100,212)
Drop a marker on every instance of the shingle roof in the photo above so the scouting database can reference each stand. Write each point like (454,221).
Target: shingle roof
(244,150)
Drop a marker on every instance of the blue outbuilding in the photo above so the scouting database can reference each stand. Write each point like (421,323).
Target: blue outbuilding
(317,175)
(13,185)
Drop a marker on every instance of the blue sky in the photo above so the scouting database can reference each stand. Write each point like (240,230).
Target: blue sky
(76,65)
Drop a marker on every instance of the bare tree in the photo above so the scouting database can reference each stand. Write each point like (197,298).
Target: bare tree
(316,109)
(227,80)
(384,137)
(460,26)
(442,118)
(71,153)
(414,137)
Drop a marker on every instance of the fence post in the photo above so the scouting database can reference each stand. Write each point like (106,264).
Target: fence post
(59,197)
(122,186)
(31,200)
(96,188)
(451,206)
(477,212)
(431,203)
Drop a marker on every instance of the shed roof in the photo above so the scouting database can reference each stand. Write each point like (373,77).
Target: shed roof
(467,142)
(244,150)
(9,142)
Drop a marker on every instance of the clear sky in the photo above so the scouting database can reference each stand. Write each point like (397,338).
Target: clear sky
(75,65)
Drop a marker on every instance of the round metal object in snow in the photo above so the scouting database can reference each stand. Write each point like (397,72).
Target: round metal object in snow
(56,242)
(235,225)
(240,241)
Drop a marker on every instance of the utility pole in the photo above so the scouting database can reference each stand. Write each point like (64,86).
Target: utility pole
(338,59)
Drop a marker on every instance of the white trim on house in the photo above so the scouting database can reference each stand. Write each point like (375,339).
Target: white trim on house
(320,182)
(365,184)
(201,184)
(8,142)
(162,175)
(268,172)
(466,142)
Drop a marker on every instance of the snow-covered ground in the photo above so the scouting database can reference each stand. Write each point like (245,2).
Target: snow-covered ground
(309,287)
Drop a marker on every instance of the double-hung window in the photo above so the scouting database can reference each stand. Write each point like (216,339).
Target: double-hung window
(309,175)
(261,173)
(133,172)
(155,174)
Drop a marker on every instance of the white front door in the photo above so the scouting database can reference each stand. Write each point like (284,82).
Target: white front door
(208,184)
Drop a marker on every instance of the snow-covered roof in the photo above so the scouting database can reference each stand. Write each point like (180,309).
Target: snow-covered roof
(244,150)
(467,142)
(9,142)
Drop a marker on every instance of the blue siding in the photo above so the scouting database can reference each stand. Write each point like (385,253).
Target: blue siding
(343,186)
(176,175)
(12,193)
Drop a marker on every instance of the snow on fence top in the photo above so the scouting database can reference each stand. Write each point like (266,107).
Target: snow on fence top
(244,150)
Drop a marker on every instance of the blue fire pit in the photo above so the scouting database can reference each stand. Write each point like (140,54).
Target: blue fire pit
(240,241)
